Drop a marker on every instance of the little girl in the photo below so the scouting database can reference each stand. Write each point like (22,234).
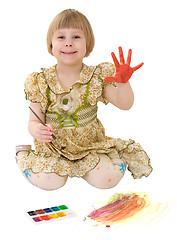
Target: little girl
(65,97)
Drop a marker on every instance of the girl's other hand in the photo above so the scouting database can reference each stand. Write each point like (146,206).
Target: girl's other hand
(43,133)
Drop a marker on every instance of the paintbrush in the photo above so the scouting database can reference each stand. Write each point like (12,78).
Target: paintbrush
(45,125)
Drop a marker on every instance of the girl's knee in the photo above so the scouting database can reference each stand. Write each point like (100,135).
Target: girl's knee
(108,180)
(45,181)
(107,173)
(50,181)
(116,173)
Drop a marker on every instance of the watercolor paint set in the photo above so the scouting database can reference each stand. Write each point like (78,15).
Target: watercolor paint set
(50,214)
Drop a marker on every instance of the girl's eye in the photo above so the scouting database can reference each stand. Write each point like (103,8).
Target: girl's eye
(61,37)
(76,37)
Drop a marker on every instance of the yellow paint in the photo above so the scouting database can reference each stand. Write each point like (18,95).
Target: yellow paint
(53,215)
(61,214)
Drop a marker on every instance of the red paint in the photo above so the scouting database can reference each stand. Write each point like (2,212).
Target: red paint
(37,219)
(123,70)
(40,211)
(119,210)
(45,217)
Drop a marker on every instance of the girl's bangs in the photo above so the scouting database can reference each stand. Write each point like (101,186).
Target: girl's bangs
(71,21)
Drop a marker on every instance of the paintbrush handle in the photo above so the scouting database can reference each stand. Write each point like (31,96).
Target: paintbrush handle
(37,116)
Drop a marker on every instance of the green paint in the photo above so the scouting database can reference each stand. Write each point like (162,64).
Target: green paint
(55,208)
(63,207)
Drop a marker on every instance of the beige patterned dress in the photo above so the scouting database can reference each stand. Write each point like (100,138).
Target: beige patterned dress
(73,115)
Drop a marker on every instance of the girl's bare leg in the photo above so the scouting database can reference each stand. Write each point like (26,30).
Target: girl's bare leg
(107,173)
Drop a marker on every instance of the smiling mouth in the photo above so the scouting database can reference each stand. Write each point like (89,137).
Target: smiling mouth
(69,53)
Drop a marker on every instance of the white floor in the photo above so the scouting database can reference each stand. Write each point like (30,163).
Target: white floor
(148,27)
(18,197)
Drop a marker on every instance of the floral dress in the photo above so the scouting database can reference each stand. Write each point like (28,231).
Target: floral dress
(73,115)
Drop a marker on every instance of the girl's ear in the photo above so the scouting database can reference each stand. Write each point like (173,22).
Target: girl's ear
(51,49)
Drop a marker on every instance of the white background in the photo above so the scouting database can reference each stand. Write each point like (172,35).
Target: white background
(149,28)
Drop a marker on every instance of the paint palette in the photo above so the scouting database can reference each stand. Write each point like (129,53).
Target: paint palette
(50,214)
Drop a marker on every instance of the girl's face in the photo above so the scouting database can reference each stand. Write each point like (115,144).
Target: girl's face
(69,46)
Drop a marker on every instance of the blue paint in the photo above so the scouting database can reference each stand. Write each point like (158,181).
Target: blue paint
(47,210)
(27,175)
(122,165)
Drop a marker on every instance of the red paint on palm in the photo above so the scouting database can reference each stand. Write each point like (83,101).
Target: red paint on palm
(123,70)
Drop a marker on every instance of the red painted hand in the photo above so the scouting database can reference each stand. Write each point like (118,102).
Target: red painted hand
(123,70)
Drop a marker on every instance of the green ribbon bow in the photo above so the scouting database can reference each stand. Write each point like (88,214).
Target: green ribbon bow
(65,116)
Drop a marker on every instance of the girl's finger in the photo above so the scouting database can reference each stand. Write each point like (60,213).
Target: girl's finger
(129,57)
(121,55)
(43,134)
(44,139)
(116,62)
(50,127)
(138,66)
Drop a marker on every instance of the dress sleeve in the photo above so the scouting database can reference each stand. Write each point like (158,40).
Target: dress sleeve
(105,69)
(32,90)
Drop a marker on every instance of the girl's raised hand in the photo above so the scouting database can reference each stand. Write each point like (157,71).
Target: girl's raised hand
(123,70)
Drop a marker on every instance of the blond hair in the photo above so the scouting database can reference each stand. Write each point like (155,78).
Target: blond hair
(71,18)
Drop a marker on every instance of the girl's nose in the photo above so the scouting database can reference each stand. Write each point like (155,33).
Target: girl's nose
(68,45)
